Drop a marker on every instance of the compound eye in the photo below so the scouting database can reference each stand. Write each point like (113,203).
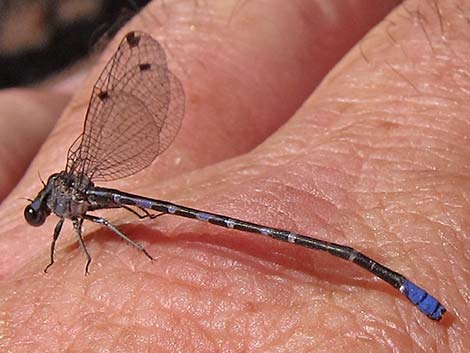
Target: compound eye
(34,217)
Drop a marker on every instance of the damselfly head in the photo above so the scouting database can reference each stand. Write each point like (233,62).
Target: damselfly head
(38,210)
(36,216)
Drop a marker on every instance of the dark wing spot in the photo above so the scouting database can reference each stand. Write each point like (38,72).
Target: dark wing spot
(144,67)
(132,39)
(103,95)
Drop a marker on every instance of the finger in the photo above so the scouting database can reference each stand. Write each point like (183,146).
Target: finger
(248,85)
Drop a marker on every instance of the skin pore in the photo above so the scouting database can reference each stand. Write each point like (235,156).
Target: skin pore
(373,158)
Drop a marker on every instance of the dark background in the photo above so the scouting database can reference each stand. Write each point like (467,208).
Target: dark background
(40,37)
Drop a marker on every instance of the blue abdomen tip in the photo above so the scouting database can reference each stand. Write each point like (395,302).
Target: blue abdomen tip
(424,301)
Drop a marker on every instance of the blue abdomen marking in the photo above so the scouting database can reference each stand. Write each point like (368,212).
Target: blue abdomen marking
(424,301)
(145,204)
(203,216)
(265,231)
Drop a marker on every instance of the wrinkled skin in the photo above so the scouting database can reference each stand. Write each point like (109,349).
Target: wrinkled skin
(375,158)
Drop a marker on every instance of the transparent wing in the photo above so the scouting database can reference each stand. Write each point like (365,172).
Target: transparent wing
(134,113)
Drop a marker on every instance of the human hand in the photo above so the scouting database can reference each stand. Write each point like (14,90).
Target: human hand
(373,159)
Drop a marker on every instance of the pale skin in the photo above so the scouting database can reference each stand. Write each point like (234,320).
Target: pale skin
(375,159)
